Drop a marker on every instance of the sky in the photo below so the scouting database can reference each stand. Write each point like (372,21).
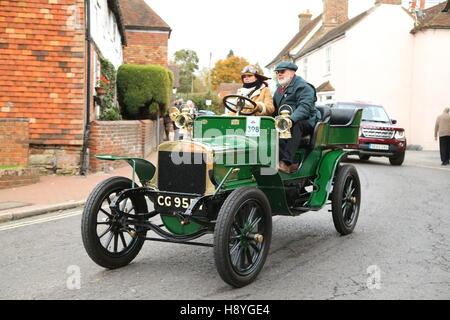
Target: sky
(256,30)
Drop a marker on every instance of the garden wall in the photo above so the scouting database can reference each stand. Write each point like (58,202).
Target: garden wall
(136,138)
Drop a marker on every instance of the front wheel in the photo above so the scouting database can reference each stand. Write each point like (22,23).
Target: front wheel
(346,199)
(109,239)
(242,236)
(398,159)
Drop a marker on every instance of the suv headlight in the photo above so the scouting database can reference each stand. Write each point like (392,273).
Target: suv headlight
(399,135)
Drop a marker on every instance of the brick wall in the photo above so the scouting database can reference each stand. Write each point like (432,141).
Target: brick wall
(145,47)
(14,142)
(123,138)
(42,69)
(11,178)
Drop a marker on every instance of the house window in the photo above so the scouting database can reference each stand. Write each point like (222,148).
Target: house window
(328,60)
(305,68)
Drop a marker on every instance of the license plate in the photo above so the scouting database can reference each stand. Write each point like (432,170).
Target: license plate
(173,203)
(378,146)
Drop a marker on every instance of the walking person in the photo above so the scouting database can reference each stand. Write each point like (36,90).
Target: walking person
(442,127)
(301,97)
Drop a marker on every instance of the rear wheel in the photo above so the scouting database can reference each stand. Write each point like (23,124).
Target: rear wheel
(108,238)
(398,159)
(242,236)
(346,199)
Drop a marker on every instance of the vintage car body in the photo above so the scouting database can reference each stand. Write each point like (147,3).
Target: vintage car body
(224,181)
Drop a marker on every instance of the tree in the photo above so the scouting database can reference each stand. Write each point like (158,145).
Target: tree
(187,60)
(227,71)
(230,54)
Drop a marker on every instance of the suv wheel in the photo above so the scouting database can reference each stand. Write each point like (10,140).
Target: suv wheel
(397,160)
(363,157)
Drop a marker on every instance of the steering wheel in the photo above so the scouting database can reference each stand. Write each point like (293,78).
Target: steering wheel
(237,104)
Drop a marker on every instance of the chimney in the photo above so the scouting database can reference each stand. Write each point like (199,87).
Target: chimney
(335,12)
(422,4)
(396,2)
(304,19)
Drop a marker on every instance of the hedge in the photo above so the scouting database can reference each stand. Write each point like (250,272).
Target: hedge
(142,89)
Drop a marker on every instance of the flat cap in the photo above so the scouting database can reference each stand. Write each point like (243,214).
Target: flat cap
(286,65)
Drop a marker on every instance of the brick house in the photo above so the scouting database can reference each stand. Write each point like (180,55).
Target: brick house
(49,60)
(147,34)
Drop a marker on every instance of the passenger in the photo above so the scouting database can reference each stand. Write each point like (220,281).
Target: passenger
(301,96)
(256,89)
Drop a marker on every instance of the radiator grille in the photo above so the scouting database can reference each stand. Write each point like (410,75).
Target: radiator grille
(376,133)
(181,172)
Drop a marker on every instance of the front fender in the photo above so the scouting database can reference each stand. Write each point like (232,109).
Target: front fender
(144,169)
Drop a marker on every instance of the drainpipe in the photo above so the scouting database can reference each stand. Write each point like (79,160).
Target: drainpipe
(84,153)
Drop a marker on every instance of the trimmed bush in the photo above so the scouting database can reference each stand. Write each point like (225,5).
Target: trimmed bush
(142,89)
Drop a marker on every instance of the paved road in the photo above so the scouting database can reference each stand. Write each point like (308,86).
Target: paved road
(400,250)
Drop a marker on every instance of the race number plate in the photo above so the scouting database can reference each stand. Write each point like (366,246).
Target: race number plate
(252,127)
(171,203)
(378,146)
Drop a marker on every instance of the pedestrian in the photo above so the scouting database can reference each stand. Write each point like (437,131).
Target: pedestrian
(176,130)
(191,105)
(256,89)
(442,127)
(301,97)
(168,126)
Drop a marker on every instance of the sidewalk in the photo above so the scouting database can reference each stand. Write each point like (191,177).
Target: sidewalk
(54,193)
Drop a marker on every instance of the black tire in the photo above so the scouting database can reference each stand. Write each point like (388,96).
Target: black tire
(346,199)
(238,252)
(97,206)
(363,157)
(398,159)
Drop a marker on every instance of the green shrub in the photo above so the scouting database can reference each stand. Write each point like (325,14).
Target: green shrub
(142,89)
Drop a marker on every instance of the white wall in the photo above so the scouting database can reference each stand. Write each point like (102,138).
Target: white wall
(371,63)
(105,32)
(431,80)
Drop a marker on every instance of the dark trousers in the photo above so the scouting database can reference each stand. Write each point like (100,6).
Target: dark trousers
(444,147)
(288,147)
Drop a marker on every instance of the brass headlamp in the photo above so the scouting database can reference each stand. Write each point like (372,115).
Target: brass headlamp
(283,122)
(184,120)
(173,113)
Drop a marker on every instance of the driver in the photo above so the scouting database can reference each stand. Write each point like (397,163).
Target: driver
(256,89)
(301,96)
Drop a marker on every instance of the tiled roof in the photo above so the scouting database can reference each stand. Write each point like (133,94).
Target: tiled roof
(332,34)
(299,37)
(434,18)
(138,15)
(324,87)
(447,7)
(176,74)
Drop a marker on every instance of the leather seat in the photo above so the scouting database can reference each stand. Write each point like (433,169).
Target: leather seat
(325,113)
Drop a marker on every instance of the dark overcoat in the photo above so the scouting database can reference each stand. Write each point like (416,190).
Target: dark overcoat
(301,96)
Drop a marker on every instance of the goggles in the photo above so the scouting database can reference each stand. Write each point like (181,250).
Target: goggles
(249,69)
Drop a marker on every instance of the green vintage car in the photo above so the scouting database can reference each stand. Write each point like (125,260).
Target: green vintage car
(224,181)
